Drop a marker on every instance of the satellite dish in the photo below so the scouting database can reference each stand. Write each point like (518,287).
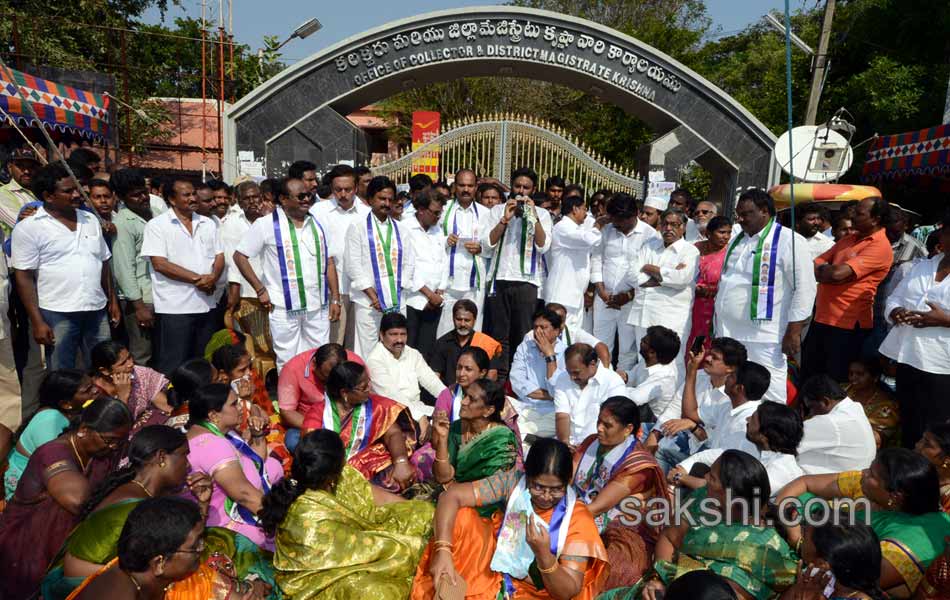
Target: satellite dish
(818,154)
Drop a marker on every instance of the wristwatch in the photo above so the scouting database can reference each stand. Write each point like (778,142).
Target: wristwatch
(550,359)
(336,301)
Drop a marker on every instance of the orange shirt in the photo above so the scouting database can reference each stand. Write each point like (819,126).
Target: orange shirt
(851,303)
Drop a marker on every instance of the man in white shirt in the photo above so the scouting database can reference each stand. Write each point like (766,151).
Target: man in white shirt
(671,434)
(233,230)
(621,243)
(424,305)
(62,271)
(306,171)
(463,225)
(577,336)
(705,211)
(538,360)
(337,214)
(300,287)
(665,277)
(519,233)
(809,223)
(650,212)
(579,391)
(766,292)
(399,370)
(838,436)
(187,261)
(725,427)
(380,264)
(655,378)
(574,241)
(682,200)
(776,430)
(10,399)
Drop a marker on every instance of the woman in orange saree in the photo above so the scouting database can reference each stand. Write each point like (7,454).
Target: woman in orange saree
(378,433)
(616,478)
(544,544)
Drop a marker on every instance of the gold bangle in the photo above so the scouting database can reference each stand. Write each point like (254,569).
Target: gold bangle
(437,459)
(442,543)
(401,459)
(446,548)
(550,569)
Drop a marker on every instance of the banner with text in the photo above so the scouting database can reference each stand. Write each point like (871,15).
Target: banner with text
(425,127)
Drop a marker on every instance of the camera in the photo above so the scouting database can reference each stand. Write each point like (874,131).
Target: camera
(519,209)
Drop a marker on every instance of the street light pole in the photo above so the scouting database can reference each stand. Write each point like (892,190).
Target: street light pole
(821,64)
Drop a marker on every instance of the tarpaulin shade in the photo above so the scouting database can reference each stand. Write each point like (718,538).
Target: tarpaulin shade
(59,107)
(924,152)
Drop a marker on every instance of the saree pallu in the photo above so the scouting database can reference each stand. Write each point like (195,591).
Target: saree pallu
(207,583)
(374,460)
(909,542)
(340,545)
(228,556)
(493,450)
(708,274)
(509,415)
(756,559)
(474,539)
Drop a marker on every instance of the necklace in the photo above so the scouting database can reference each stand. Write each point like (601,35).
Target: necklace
(141,485)
(72,442)
(138,588)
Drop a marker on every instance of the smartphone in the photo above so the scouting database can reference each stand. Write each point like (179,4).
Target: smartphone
(698,344)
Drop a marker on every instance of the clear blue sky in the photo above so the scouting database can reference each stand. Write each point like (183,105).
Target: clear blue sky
(253,19)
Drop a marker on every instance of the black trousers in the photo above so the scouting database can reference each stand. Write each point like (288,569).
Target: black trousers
(178,338)
(829,350)
(510,311)
(923,400)
(423,325)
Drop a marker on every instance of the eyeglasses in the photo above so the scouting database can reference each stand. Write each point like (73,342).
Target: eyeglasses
(304,196)
(198,549)
(543,490)
(110,443)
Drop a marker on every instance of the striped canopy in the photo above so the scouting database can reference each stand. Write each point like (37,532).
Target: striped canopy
(59,107)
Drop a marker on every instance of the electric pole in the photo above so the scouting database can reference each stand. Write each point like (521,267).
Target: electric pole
(821,64)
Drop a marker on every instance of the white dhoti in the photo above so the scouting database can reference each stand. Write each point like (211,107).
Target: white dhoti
(772,358)
(535,417)
(609,323)
(575,318)
(293,334)
(450,298)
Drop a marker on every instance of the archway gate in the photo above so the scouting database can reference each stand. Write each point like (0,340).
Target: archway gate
(495,144)
(299,114)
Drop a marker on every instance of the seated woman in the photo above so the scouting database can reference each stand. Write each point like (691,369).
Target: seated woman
(158,466)
(50,495)
(302,382)
(184,383)
(61,396)
(545,546)
(241,469)
(903,493)
(700,585)
(337,536)
(472,364)
(610,467)
(865,387)
(477,444)
(846,557)
(160,544)
(934,445)
(379,433)
(233,364)
(117,376)
(750,554)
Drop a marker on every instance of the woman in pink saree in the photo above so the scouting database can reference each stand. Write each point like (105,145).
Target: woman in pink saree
(712,253)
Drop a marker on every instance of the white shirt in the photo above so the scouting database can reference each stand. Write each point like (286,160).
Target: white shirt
(733,317)
(400,378)
(818,244)
(157,204)
(68,264)
(569,262)
(926,348)
(655,386)
(693,234)
(431,266)
(707,398)
(232,232)
(726,431)
(167,238)
(782,469)
(509,255)
(583,405)
(4,292)
(611,262)
(671,303)
(840,441)
(260,243)
(335,219)
(359,267)
(468,224)
(529,370)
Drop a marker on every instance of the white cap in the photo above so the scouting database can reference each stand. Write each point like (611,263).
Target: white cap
(657,202)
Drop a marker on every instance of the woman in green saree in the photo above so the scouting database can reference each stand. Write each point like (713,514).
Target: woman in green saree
(478,444)
(752,556)
(902,491)
(158,466)
(337,536)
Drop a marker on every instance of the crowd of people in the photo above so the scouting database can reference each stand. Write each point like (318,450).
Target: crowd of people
(325,386)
